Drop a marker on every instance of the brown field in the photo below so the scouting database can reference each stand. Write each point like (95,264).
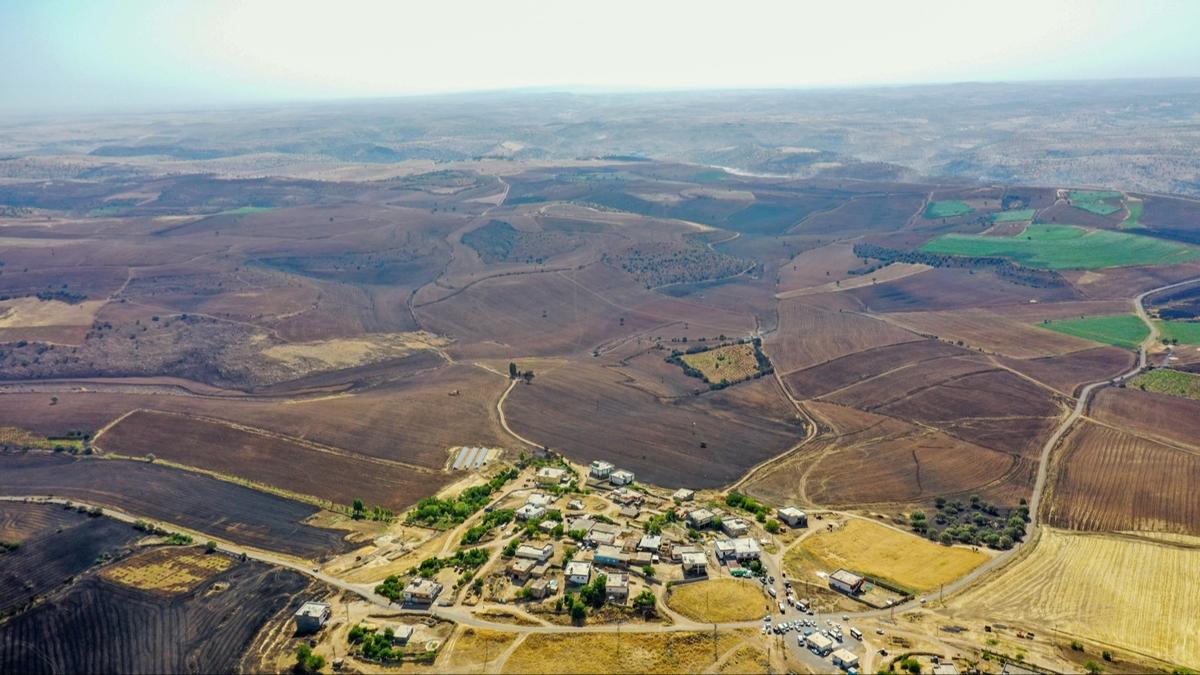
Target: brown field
(19,521)
(993,332)
(949,289)
(1126,592)
(473,648)
(731,363)
(809,335)
(843,372)
(1066,373)
(881,552)
(718,600)
(170,570)
(590,413)
(290,464)
(868,213)
(891,272)
(675,652)
(1111,480)
(213,507)
(1170,420)
(818,266)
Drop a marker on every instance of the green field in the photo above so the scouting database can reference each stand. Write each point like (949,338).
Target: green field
(1015,216)
(1093,201)
(246,210)
(1165,381)
(1135,213)
(947,209)
(1066,247)
(1119,330)
(1186,332)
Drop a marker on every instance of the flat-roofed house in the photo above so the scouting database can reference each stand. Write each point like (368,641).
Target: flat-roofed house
(846,582)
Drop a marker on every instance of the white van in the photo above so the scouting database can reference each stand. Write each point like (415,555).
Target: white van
(856,634)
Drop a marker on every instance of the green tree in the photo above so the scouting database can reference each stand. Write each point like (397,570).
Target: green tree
(1092,667)
(512,370)
(210,547)
(307,661)
(645,602)
(773,526)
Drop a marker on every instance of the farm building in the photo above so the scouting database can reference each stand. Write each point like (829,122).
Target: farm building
(311,616)
(845,659)
(621,477)
(735,527)
(610,555)
(600,470)
(550,475)
(743,548)
(684,495)
(530,552)
(846,582)
(530,512)
(700,518)
(578,572)
(793,516)
(819,643)
(421,592)
(650,542)
(401,634)
(616,588)
(694,564)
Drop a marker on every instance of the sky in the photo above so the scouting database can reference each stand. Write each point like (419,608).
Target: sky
(118,54)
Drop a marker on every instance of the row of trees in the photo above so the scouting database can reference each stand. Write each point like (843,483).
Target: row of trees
(1003,267)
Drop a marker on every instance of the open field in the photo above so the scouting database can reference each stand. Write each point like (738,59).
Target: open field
(809,335)
(239,514)
(676,652)
(52,555)
(19,521)
(1119,330)
(947,209)
(718,600)
(289,464)
(1066,247)
(205,630)
(1171,382)
(171,570)
(473,648)
(990,330)
(880,552)
(1112,480)
(1186,332)
(1172,420)
(731,363)
(1096,201)
(1065,373)
(1014,216)
(948,288)
(1130,593)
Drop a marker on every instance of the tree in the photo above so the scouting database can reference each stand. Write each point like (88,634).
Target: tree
(210,547)
(358,510)
(307,661)
(578,612)
(512,370)
(645,602)
(1092,667)
(648,570)
(773,527)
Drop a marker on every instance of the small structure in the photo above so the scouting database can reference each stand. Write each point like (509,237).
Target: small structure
(684,495)
(793,516)
(575,505)
(540,499)
(945,668)
(616,588)
(610,555)
(819,643)
(530,552)
(641,559)
(621,477)
(550,475)
(735,527)
(421,591)
(544,588)
(700,518)
(600,470)
(547,526)
(846,582)
(600,538)
(742,548)
(844,659)
(521,568)
(578,572)
(401,634)
(694,564)
(625,496)
(530,512)
(582,523)
(679,549)
(650,542)
(311,616)
(632,511)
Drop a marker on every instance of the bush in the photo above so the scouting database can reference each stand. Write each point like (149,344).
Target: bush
(307,661)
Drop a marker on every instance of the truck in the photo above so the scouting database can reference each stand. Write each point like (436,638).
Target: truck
(856,634)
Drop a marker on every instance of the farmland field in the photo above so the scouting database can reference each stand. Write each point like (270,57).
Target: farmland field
(138,631)
(1130,593)
(1111,480)
(1119,330)
(947,209)
(718,600)
(171,570)
(1066,247)
(731,363)
(675,652)
(1095,201)
(1014,216)
(878,551)
(1186,332)
(1167,381)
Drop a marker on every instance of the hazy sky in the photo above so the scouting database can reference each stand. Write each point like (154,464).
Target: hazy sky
(116,53)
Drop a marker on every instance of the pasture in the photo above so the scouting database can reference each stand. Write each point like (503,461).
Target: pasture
(1061,247)
(1126,592)
(718,600)
(881,552)
(947,209)
(1120,330)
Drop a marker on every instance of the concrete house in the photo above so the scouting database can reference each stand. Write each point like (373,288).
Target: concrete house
(578,572)
(743,548)
(538,553)
(621,477)
(421,591)
(311,616)
(700,518)
(616,588)
(845,659)
(735,527)
(401,634)
(846,582)
(521,568)
(819,643)
(550,475)
(694,564)
(650,542)
(684,495)
(600,470)
(610,555)
(793,516)
(530,512)
(540,499)
(544,588)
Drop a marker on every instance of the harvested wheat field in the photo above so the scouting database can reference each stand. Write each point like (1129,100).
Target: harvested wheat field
(718,600)
(881,552)
(678,652)
(1133,594)
(474,648)
(170,570)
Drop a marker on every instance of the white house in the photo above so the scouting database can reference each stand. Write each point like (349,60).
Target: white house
(550,475)
(819,643)
(742,548)
(540,499)
(578,572)
(650,542)
(530,512)
(735,527)
(845,659)
(600,470)
(621,477)
(846,582)
(700,518)
(793,516)
(311,616)
(684,495)
(421,591)
(694,564)
(530,552)
(616,588)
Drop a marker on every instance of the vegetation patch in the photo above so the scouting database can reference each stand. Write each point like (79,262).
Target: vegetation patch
(718,600)
(434,512)
(724,365)
(1180,332)
(973,522)
(167,570)
(1171,382)
(1065,247)
(674,652)
(664,264)
(1134,219)
(1001,266)
(947,209)
(880,552)
(1014,216)
(1095,201)
(1119,330)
